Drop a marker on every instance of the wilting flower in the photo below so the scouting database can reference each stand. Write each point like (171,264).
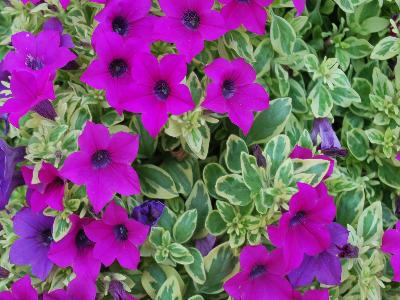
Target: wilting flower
(158,91)
(262,276)
(103,164)
(54,24)
(117,237)
(391,244)
(78,289)
(50,190)
(148,212)
(205,244)
(260,158)
(330,144)
(234,91)
(116,289)
(76,250)
(303,229)
(112,69)
(188,23)
(20,290)
(10,177)
(312,295)
(33,245)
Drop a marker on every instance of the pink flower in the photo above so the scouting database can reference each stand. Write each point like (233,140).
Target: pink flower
(262,276)
(20,290)
(28,92)
(78,289)
(233,91)
(50,190)
(303,229)
(32,1)
(117,237)
(300,5)
(188,23)
(65,3)
(112,69)
(76,250)
(398,156)
(391,244)
(158,91)
(103,164)
(312,295)
(251,14)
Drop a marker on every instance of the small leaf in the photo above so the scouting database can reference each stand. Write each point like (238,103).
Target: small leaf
(196,269)
(185,226)
(61,227)
(283,36)
(169,290)
(156,183)
(233,188)
(234,147)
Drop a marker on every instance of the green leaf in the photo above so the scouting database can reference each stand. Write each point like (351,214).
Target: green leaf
(234,147)
(386,48)
(211,173)
(227,211)
(370,225)
(239,41)
(321,101)
(345,5)
(215,224)
(233,188)
(344,96)
(61,227)
(357,143)
(263,56)
(350,204)
(283,36)
(375,136)
(182,174)
(156,183)
(357,48)
(310,171)
(180,254)
(195,87)
(169,290)
(196,269)
(299,97)
(284,174)
(277,149)
(389,174)
(185,226)
(168,219)
(250,170)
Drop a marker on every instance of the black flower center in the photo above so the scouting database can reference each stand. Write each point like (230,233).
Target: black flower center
(348,251)
(191,19)
(257,271)
(161,89)
(33,62)
(121,232)
(81,240)
(297,218)
(46,237)
(101,159)
(117,68)
(334,152)
(58,181)
(120,25)
(228,88)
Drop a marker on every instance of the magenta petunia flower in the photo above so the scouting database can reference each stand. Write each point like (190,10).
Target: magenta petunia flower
(54,24)
(65,3)
(117,237)
(112,70)
(391,244)
(305,153)
(188,23)
(303,229)
(158,91)
(31,1)
(50,190)
(78,289)
(398,156)
(300,5)
(312,295)
(35,232)
(20,290)
(234,91)
(103,164)
(262,276)
(76,250)
(29,91)
(251,14)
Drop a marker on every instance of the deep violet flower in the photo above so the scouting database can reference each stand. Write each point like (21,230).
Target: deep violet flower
(35,232)
(78,289)
(158,91)
(391,244)
(148,212)
(303,229)
(188,23)
(325,266)
(20,290)
(54,24)
(50,190)
(117,237)
(305,153)
(10,177)
(112,69)
(117,291)
(260,158)
(261,277)
(330,144)
(312,295)
(103,164)
(234,91)
(76,250)
(206,244)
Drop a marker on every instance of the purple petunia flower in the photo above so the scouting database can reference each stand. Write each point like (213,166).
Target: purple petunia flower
(116,289)
(262,276)
(50,190)
(20,290)
(35,232)
(188,23)
(149,212)
(112,70)
(10,177)
(54,24)
(4,76)
(206,244)
(330,144)
(117,237)
(398,156)
(303,229)
(103,164)
(391,244)
(300,5)
(32,1)
(158,91)
(312,295)
(76,250)
(234,91)
(78,289)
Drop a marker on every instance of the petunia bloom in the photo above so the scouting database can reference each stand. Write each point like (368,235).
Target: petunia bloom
(148,212)
(300,5)
(76,250)
(55,24)
(206,244)
(112,70)
(10,177)
(50,190)
(303,229)
(32,1)
(158,91)
(234,91)
(391,244)
(116,289)
(4,76)
(260,158)
(78,289)
(398,156)
(20,290)
(312,295)
(262,276)
(188,23)
(330,144)
(35,232)
(103,164)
